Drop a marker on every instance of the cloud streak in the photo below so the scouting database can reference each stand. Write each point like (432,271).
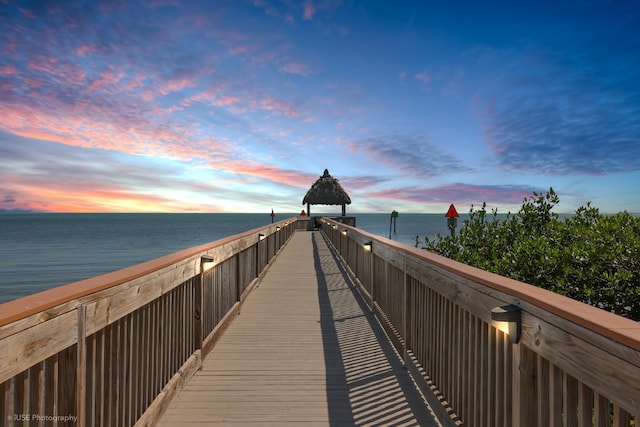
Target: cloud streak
(413,155)
(577,113)
(463,194)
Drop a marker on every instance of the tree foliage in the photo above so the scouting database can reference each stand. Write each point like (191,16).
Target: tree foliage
(590,257)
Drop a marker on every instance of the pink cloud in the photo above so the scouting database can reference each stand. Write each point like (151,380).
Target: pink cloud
(309,11)
(176,85)
(361,182)
(28,13)
(213,98)
(84,49)
(7,70)
(273,173)
(295,68)
(278,106)
(423,77)
(111,127)
(65,73)
(238,50)
(44,63)
(107,78)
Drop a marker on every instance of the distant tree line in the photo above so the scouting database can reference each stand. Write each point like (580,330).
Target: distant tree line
(590,257)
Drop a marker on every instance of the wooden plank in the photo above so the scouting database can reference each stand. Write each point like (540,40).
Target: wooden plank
(157,408)
(50,386)
(81,368)
(616,376)
(6,410)
(282,360)
(35,319)
(601,411)
(585,405)
(123,370)
(555,395)
(544,387)
(500,367)
(67,384)
(132,356)
(36,398)
(100,377)
(621,418)
(24,349)
(20,393)
(570,401)
(491,376)
(90,382)
(467,370)
(108,309)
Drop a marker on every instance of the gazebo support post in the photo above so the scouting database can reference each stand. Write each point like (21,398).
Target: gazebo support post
(344,210)
(308,209)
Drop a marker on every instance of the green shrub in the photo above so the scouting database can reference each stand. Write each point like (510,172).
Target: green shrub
(588,256)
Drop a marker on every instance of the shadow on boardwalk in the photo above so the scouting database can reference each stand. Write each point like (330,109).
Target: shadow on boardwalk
(367,383)
(305,351)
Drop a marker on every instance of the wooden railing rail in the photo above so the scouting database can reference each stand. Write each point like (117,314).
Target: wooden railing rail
(112,350)
(574,365)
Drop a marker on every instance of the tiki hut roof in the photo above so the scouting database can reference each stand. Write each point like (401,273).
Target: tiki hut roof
(326,191)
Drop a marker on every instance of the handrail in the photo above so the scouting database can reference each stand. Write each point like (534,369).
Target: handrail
(573,365)
(114,349)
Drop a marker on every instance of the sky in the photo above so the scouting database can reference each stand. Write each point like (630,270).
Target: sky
(240,105)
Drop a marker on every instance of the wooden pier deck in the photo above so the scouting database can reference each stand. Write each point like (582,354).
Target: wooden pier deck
(305,350)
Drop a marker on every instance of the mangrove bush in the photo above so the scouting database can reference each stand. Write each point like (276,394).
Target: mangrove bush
(588,256)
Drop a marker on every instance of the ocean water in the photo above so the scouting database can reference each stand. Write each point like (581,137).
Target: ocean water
(39,251)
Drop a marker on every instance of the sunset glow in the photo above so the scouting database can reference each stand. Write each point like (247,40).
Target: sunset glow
(224,106)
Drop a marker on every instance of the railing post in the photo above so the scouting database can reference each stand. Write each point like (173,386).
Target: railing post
(373,285)
(406,322)
(81,370)
(199,313)
(257,273)
(238,281)
(524,388)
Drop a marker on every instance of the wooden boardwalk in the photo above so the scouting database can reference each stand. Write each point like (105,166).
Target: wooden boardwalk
(305,350)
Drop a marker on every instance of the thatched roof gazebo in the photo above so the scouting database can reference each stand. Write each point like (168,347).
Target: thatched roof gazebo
(326,191)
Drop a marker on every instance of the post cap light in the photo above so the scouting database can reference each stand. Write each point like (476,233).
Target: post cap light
(512,316)
(206,262)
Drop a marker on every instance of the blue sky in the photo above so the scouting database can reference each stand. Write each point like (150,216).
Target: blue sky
(239,105)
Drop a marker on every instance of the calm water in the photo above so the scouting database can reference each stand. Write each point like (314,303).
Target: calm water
(39,251)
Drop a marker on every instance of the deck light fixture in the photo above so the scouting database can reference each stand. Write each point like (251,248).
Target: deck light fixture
(368,246)
(510,316)
(344,232)
(261,236)
(206,262)
(277,228)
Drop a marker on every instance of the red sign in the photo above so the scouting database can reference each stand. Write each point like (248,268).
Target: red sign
(452,212)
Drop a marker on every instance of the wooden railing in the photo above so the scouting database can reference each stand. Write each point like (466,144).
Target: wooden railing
(574,365)
(114,349)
